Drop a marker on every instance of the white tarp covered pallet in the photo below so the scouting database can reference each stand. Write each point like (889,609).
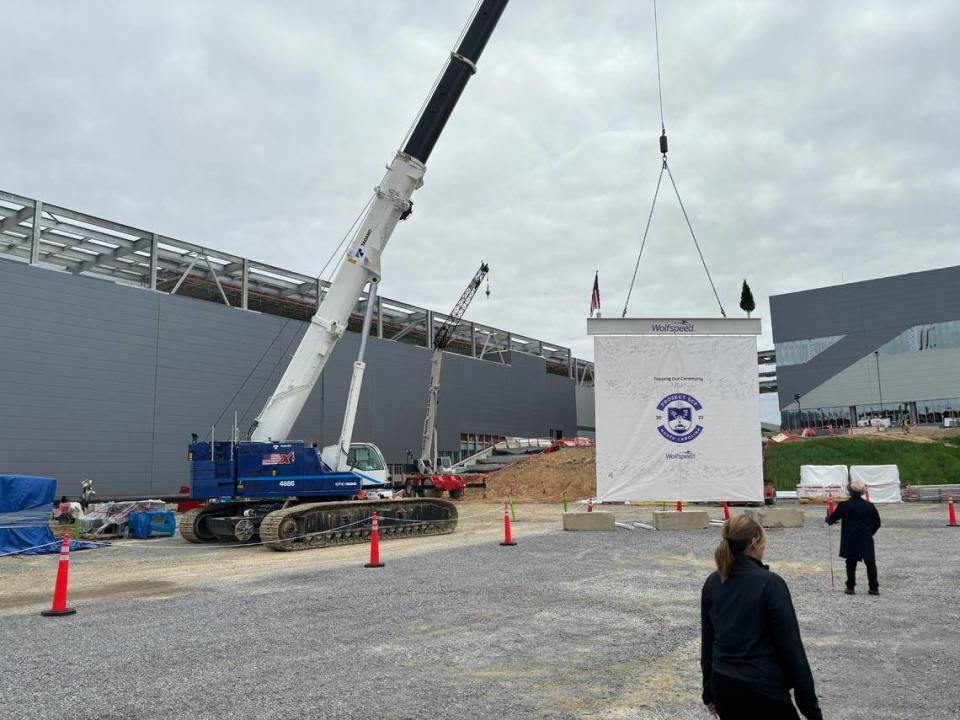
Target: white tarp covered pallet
(883,481)
(676,409)
(818,481)
(823,480)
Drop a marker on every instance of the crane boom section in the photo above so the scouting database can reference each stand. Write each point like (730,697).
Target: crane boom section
(463,64)
(442,338)
(390,204)
(362,265)
(426,463)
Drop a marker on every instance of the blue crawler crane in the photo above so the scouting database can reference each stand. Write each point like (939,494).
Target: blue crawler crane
(285,495)
(279,490)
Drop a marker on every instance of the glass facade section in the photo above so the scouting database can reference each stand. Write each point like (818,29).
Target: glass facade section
(920,412)
(797,352)
(934,411)
(832,417)
(930,336)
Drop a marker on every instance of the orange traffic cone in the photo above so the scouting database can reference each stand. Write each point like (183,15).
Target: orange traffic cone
(866,493)
(679,506)
(374,545)
(952,513)
(726,510)
(910,497)
(59,606)
(590,505)
(829,504)
(507,536)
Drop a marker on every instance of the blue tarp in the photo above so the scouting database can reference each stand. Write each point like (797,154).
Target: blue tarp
(143,524)
(25,506)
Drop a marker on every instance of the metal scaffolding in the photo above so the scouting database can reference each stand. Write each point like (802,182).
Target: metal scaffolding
(55,237)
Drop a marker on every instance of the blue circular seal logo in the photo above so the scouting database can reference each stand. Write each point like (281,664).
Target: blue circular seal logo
(680,416)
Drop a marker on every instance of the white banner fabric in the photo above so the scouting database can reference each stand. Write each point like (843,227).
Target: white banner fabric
(678,418)
(817,480)
(883,481)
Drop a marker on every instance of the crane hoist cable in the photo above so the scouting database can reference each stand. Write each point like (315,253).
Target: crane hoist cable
(336,254)
(656,192)
(406,136)
(349,235)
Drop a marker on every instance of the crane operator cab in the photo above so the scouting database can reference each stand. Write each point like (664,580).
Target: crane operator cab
(366,460)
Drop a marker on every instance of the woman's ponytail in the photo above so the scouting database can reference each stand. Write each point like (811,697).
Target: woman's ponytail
(737,535)
(724,558)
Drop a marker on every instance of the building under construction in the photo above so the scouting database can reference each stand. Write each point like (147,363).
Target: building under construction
(119,342)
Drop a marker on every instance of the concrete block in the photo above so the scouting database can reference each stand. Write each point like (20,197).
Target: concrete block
(588,521)
(770,517)
(686,520)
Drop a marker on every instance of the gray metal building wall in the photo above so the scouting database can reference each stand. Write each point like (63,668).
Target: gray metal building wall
(586,411)
(106,381)
(868,314)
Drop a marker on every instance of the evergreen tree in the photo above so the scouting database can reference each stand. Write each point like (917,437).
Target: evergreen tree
(746,299)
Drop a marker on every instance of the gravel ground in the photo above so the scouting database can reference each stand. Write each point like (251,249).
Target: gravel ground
(565,625)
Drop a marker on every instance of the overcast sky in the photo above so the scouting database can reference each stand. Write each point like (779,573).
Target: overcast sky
(812,142)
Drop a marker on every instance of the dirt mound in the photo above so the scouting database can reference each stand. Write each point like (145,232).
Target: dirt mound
(548,477)
(920,435)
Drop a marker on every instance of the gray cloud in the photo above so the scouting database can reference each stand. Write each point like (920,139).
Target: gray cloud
(812,142)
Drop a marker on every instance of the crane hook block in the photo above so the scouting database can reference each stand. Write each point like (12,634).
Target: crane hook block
(663,142)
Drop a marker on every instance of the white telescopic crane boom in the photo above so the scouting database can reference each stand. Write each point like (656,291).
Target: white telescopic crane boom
(362,265)
(337,455)
(391,204)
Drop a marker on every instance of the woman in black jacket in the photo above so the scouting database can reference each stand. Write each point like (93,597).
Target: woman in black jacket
(751,653)
(860,523)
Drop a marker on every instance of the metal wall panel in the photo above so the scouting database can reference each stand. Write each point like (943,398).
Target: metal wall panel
(586,411)
(106,381)
(909,377)
(77,362)
(868,314)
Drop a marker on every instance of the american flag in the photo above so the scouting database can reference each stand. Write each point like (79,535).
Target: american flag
(595,296)
(278,459)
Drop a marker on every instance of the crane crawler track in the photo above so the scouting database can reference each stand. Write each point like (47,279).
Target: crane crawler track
(318,525)
(190,526)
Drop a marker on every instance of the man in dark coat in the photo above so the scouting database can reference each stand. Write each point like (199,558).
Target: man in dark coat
(860,522)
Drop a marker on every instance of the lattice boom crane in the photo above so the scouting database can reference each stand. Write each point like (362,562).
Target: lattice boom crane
(427,462)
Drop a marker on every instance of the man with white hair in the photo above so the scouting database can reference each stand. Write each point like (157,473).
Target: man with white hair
(860,522)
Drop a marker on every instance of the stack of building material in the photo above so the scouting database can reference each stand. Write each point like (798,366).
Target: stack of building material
(931,493)
(820,482)
(25,506)
(882,481)
(112,518)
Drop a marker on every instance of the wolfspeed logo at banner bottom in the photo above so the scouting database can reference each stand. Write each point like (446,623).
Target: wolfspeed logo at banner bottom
(680,417)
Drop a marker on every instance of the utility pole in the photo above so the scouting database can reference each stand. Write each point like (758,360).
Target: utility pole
(796,397)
